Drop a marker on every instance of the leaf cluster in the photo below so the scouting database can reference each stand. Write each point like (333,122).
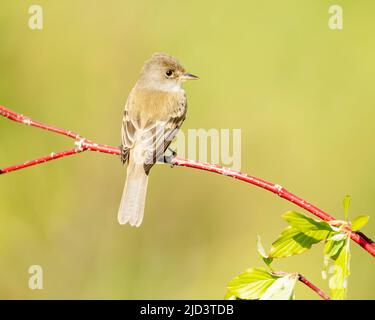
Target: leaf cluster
(298,237)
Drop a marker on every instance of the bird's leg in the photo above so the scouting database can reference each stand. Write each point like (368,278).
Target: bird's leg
(168,159)
(174,153)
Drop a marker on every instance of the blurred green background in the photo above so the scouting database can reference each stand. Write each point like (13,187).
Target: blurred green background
(302,94)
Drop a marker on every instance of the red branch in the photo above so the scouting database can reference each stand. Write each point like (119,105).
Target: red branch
(306,282)
(313,287)
(83,144)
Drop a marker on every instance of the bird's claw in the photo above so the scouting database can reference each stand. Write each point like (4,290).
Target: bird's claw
(168,160)
(174,153)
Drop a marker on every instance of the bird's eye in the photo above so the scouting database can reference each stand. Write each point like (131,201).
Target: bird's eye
(169,73)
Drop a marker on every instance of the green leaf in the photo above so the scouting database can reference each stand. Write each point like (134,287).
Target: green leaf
(346,204)
(267,260)
(304,223)
(260,248)
(251,284)
(359,222)
(229,296)
(302,233)
(338,283)
(282,288)
(292,241)
(325,267)
(333,248)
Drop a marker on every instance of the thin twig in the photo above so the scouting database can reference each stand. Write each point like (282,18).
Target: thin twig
(313,287)
(83,144)
(306,282)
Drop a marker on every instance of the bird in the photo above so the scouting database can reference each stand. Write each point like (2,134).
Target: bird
(154,111)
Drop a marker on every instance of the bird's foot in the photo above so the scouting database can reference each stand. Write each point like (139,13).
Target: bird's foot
(168,158)
(174,153)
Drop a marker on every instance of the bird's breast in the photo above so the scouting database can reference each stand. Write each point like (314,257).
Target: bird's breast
(153,105)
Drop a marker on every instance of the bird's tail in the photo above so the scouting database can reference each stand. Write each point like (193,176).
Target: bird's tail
(134,195)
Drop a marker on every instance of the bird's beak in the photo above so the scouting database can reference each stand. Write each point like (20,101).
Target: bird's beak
(188,76)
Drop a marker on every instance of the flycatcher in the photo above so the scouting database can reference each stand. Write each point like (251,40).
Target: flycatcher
(154,111)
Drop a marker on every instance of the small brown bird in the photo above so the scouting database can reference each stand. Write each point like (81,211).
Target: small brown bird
(154,111)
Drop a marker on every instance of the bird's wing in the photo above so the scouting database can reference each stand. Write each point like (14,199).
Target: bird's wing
(162,134)
(128,130)
(151,132)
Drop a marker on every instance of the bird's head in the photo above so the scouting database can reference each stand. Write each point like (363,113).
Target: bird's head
(164,72)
